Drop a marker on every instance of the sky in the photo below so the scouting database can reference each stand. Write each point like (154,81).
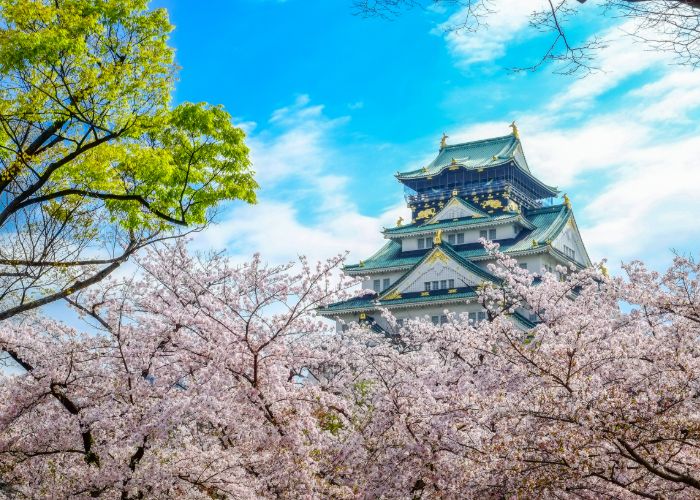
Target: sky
(335,104)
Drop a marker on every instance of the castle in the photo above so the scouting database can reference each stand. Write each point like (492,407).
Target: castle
(473,190)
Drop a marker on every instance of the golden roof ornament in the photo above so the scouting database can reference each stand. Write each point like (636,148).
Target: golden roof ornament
(567,201)
(399,221)
(437,239)
(515,129)
(443,141)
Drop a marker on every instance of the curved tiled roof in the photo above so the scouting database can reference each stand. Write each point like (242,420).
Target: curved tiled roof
(473,155)
(370,302)
(466,222)
(548,223)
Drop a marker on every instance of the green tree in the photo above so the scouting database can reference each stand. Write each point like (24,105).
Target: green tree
(95,162)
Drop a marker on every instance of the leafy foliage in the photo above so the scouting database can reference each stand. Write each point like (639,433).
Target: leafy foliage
(91,149)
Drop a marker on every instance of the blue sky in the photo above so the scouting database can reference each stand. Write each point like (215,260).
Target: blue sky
(334,105)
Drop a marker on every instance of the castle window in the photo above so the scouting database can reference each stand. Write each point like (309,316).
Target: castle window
(477,317)
(436,285)
(451,283)
(570,252)
(523,265)
(377,286)
(439,320)
(483,234)
(460,238)
(385,283)
(443,284)
(427,286)
(492,234)
(451,239)
(425,243)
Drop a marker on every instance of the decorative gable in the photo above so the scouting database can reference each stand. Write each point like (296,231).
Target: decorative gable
(456,208)
(436,266)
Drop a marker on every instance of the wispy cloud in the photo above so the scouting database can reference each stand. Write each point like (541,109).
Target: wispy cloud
(304,206)
(490,40)
(621,58)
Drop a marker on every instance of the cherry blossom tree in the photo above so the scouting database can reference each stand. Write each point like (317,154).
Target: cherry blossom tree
(597,400)
(211,380)
(189,388)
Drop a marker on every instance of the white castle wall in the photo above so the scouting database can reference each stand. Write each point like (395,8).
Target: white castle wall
(503,232)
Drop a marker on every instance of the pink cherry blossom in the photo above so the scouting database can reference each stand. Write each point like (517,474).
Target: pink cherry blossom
(203,379)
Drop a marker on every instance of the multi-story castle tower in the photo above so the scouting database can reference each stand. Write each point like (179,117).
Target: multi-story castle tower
(435,263)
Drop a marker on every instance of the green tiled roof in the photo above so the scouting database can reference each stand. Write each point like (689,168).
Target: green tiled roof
(468,222)
(473,155)
(548,223)
(448,250)
(370,302)
(522,320)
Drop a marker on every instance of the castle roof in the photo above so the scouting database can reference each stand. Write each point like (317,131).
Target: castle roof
(547,223)
(419,228)
(473,155)
(371,302)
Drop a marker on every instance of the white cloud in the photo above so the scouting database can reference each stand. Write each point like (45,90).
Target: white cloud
(275,229)
(508,20)
(672,97)
(304,207)
(621,58)
(651,204)
(562,156)
(295,145)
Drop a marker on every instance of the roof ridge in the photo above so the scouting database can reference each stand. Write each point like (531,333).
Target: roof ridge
(375,254)
(541,210)
(481,141)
